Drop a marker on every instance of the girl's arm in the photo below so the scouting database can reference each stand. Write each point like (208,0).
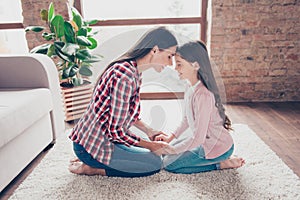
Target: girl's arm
(202,107)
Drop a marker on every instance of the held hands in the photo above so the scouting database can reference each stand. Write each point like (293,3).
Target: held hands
(153,134)
(157,147)
(161,148)
(159,143)
(164,137)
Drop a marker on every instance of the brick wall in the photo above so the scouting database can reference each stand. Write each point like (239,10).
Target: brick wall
(256,45)
(31,16)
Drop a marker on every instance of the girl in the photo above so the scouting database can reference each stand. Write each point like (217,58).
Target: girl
(101,139)
(209,145)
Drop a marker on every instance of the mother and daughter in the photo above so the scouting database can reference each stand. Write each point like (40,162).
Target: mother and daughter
(102,141)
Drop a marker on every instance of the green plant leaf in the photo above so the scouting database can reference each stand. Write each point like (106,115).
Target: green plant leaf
(89,29)
(69,32)
(44,14)
(83,41)
(93,59)
(51,50)
(75,12)
(78,20)
(43,49)
(83,54)
(94,43)
(82,32)
(67,72)
(73,70)
(51,12)
(85,71)
(60,54)
(69,48)
(92,22)
(48,36)
(34,28)
(59,44)
(58,23)
(76,81)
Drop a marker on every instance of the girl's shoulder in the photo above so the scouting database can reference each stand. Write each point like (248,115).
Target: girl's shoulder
(202,94)
(202,90)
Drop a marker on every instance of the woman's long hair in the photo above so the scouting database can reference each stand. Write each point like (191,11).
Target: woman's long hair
(196,51)
(159,36)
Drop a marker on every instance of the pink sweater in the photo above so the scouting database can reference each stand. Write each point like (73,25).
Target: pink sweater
(205,124)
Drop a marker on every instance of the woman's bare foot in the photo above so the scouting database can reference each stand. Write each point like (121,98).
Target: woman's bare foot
(233,162)
(83,169)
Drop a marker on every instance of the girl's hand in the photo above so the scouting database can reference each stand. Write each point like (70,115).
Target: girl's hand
(154,134)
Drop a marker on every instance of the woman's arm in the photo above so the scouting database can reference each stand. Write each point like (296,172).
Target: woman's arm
(151,133)
(121,91)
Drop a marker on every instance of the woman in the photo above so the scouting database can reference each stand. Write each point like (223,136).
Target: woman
(101,139)
(209,144)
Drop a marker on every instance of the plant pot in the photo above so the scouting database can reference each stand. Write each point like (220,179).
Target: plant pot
(76,100)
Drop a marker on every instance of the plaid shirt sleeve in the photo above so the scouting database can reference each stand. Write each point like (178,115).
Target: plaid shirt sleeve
(121,91)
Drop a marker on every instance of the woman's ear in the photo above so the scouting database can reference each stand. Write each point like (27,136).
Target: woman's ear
(155,49)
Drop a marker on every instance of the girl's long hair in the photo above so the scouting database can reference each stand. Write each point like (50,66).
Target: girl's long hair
(158,36)
(195,51)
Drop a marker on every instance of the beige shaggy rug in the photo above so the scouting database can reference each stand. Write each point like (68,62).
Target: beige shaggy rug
(264,176)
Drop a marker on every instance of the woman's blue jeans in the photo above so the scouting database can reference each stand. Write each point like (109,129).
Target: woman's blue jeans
(194,161)
(125,161)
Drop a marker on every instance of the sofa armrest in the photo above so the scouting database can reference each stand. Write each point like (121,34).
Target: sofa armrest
(34,71)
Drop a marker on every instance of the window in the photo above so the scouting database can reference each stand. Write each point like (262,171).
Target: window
(121,24)
(131,9)
(12,35)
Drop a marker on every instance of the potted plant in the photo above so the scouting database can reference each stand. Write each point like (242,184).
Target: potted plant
(69,43)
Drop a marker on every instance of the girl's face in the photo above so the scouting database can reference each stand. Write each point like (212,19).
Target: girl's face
(185,69)
(162,57)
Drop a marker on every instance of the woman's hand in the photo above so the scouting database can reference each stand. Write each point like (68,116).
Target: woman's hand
(158,147)
(165,138)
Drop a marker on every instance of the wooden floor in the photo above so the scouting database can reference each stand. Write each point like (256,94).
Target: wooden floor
(277,124)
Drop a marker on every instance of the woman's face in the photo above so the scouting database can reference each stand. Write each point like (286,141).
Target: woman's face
(185,69)
(162,58)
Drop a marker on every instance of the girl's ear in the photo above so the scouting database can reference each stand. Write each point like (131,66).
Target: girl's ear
(196,65)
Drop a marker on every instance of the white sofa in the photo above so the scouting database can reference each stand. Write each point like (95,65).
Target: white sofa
(31,115)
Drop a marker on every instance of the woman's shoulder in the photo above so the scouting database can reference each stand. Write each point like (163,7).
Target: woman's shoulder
(124,69)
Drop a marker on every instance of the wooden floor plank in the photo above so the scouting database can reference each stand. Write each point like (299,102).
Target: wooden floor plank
(276,124)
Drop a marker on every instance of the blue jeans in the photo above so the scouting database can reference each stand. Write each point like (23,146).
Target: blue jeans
(194,161)
(125,161)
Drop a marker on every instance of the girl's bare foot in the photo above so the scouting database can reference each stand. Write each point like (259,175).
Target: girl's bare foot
(83,169)
(233,162)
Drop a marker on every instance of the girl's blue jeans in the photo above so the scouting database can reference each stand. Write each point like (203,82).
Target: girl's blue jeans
(194,161)
(125,161)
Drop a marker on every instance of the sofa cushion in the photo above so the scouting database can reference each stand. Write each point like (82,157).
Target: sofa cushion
(20,108)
